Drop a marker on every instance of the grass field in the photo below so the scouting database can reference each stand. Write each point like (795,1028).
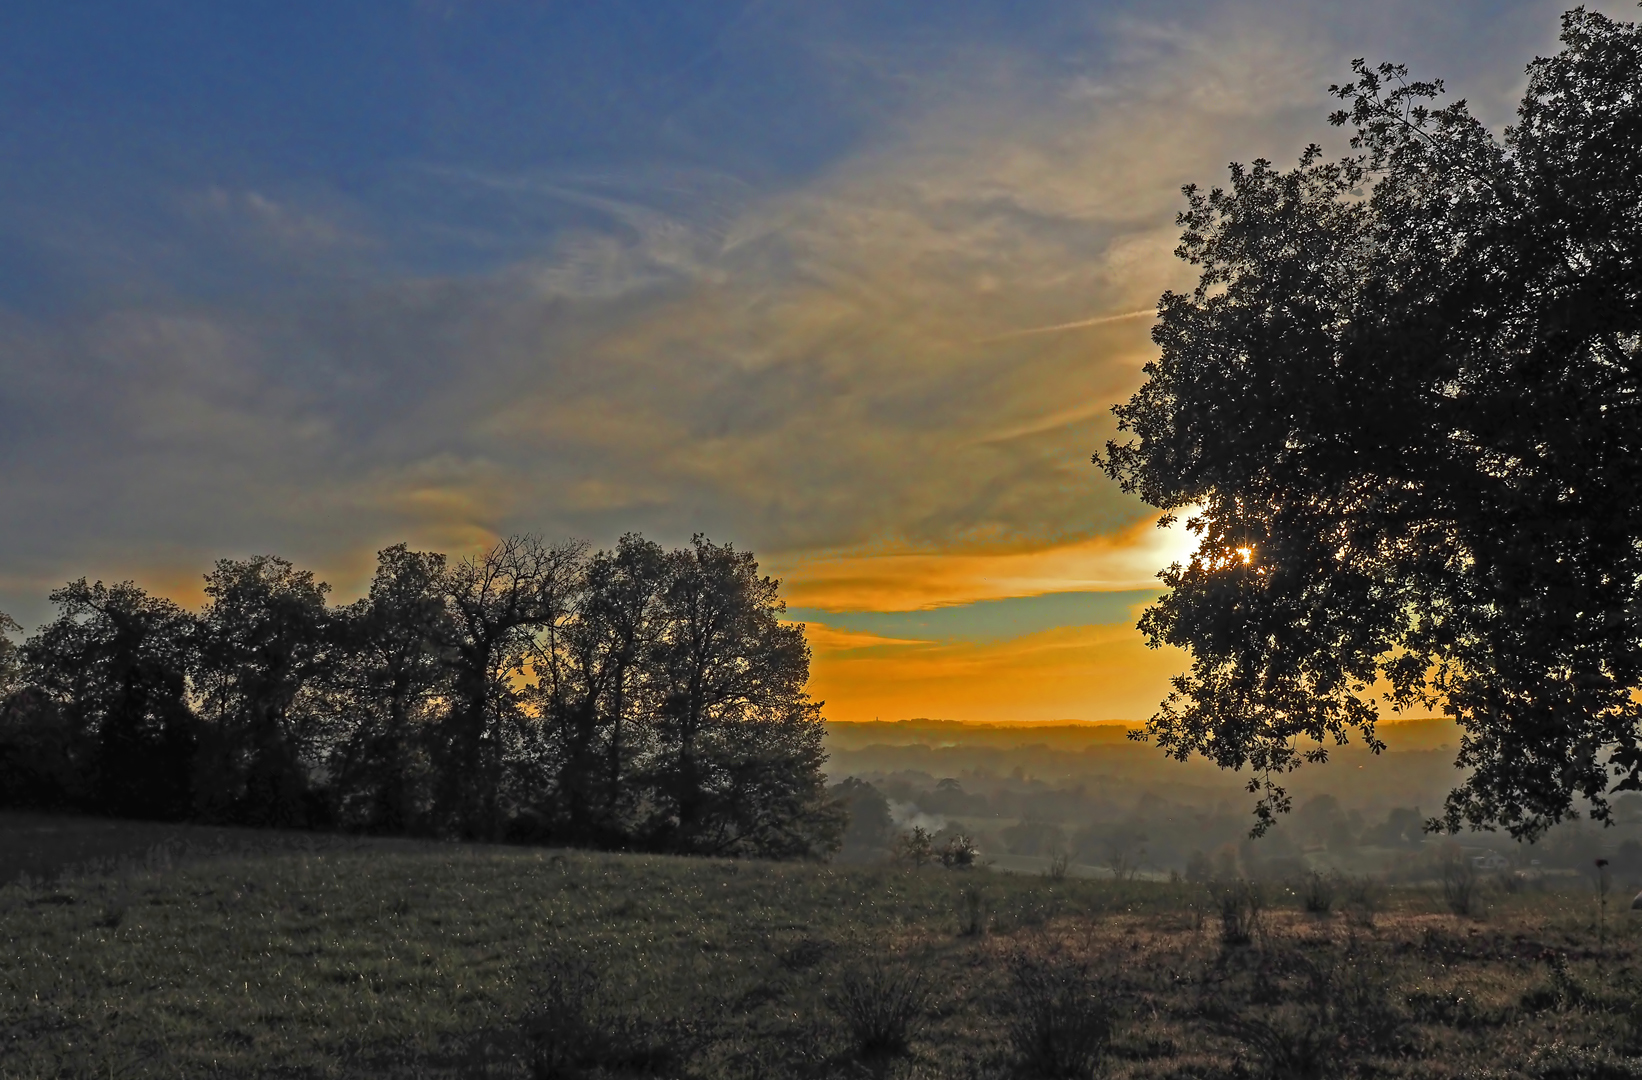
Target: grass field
(399,960)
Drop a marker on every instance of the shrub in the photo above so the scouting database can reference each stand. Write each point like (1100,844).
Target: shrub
(880,1002)
(572,1031)
(1362,898)
(1317,892)
(1461,885)
(1241,904)
(1060,1020)
(972,912)
(915,848)
(1058,866)
(959,853)
(1310,1017)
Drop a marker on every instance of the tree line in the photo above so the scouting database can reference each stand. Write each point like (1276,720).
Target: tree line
(635,698)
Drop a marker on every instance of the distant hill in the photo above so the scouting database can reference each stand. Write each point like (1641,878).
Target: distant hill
(1422,733)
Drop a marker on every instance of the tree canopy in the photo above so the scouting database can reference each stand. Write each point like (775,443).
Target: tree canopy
(1402,412)
(634,698)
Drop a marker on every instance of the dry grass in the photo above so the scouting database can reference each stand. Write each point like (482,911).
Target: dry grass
(518,963)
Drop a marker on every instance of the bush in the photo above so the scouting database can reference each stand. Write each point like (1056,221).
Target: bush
(880,1003)
(915,848)
(1061,1021)
(1241,904)
(1362,898)
(572,1031)
(1317,892)
(1461,885)
(972,912)
(959,853)
(1310,1017)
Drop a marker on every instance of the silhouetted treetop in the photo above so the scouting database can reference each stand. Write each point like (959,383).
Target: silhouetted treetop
(1402,410)
(633,698)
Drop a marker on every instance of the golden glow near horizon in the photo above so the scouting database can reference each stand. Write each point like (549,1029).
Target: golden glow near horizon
(864,315)
(1095,671)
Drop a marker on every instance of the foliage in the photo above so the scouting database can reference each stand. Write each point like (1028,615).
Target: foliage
(870,825)
(959,852)
(10,667)
(915,847)
(1400,408)
(636,698)
(112,671)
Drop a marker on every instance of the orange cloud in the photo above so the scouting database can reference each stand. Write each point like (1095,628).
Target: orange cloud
(914,580)
(1084,673)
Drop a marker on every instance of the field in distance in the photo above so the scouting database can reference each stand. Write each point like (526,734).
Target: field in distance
(445,961)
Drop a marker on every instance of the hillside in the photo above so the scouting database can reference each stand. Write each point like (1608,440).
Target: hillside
(486,962)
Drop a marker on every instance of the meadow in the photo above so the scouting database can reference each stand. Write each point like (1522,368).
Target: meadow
(354,958)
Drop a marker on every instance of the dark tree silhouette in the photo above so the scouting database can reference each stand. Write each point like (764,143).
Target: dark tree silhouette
(393,675)
(738,742)
(634,698)
(264,646)
(597,688)
(1402,411)
(115,665)
(498,604)
(45,763)
(11,668)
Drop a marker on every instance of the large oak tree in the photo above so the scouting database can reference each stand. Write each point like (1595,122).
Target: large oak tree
(1402,410)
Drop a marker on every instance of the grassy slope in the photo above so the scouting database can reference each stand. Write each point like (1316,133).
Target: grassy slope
(431,963)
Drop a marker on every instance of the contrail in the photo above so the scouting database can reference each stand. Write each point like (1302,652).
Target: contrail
(1096,321)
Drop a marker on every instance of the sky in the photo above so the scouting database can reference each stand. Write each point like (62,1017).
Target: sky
(850,285)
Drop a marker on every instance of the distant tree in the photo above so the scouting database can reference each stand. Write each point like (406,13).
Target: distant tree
(738,743)
(870,824)
(633,698)
(1402,827)
(115,664)
(1401,410)
(489,745)
(264,647)
(393,673)
(915,847)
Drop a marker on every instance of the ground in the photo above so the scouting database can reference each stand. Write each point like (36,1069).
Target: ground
(311,956)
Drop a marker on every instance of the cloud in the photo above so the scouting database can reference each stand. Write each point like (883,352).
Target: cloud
(1083,673)
(885,375)
(1122,561)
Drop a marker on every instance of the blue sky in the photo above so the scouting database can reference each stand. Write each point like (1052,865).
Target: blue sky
(852,285)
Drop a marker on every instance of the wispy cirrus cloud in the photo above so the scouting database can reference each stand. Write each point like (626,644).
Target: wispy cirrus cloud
(884,372)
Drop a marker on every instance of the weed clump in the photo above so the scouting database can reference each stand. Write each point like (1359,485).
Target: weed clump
(881,1004)
(972,912)
(1241,904)
(1461,885)
(1060,1016)
(1363,897)
(572,1032)
(1317,892)
(1310,1012)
